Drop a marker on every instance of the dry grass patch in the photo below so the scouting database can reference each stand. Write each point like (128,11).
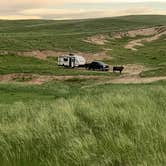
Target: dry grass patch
(97,39)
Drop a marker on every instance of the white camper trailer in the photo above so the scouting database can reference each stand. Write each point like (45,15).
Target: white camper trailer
(71,60)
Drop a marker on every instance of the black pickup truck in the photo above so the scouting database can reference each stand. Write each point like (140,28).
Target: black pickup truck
(97,65)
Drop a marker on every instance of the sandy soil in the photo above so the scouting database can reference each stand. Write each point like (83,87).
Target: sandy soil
(133,69)
(97,39)
(97,56)
(41,54)
(41,79)
(140,32)
(139,42)
(14,77)
(36,53)
(150,34)
(136,80)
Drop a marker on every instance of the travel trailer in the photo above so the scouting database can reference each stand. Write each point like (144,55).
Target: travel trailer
(71,60)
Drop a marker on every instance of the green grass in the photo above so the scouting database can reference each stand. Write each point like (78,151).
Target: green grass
(26,35)
(154,72)
(78,122)
(64,123)
(19,64)
(61,35)
(151,55)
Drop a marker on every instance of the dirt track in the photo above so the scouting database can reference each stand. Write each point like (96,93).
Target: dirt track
(41,79)
(136,80)
(131,74)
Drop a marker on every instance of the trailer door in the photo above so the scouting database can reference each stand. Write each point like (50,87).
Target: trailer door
(72,62)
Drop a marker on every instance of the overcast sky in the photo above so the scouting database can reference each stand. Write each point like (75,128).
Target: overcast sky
(76,9)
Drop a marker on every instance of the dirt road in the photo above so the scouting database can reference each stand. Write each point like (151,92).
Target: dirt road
(131,74)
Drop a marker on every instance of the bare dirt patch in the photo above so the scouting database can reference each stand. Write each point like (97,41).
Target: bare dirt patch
(45,54)
(136,80)
(140,32)
(131,45)
(139,42)
(130,75)
(15,77)
(41,54)
(97,39)
(133,69)
(41,79)
(96,56)
(149,34)
(35,53)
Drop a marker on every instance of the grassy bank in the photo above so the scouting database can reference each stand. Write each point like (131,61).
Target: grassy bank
(65,124)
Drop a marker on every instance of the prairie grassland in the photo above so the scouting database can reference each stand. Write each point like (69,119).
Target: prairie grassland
(152,55)
(105,125)
(78,122)
(69,35)
(19,64)
(25,35)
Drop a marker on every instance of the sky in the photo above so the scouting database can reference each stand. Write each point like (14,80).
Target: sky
(78,9)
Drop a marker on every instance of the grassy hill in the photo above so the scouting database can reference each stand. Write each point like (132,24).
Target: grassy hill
(60,35)
(29,35)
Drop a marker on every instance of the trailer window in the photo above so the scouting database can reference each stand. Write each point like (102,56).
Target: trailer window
(65,59)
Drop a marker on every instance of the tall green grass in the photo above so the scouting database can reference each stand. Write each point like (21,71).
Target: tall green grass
(110,125)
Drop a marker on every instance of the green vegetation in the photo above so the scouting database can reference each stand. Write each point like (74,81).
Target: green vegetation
(154,72)
(26,35)
(80,122)
(60,35)
(64,123)
(19,64)
(151,55)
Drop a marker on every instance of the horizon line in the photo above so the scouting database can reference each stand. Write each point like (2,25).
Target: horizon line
(127,15)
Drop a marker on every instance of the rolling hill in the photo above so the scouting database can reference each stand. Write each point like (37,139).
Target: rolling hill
(60,35)
(92,38)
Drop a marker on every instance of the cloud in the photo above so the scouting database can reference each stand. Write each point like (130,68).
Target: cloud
(20,17)
(88,13)
(55,9)
(39,3)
